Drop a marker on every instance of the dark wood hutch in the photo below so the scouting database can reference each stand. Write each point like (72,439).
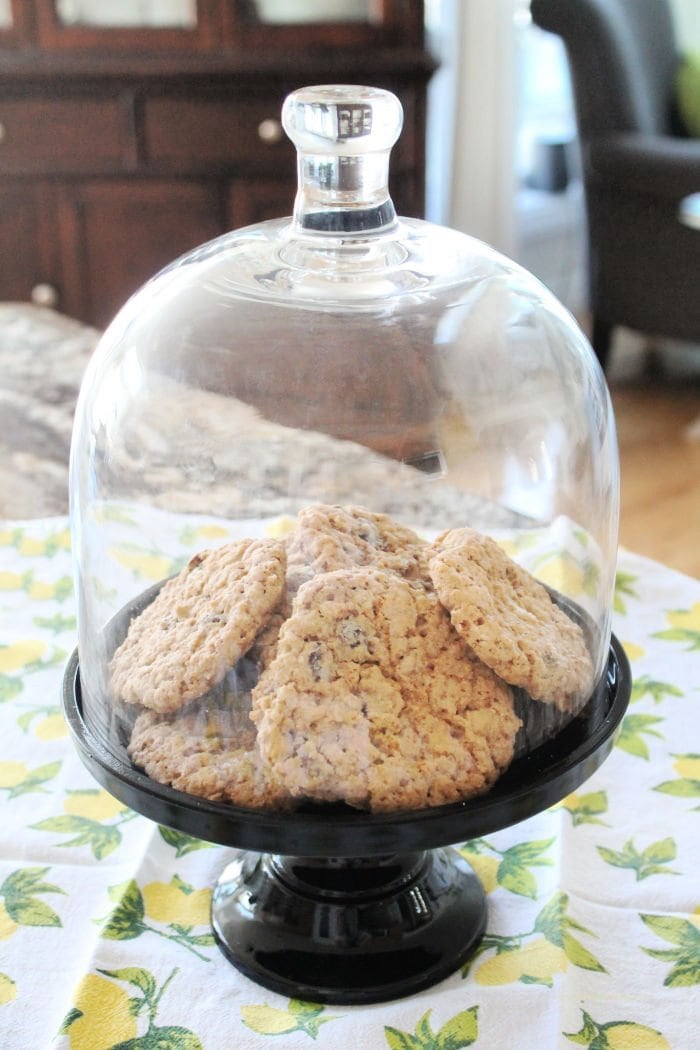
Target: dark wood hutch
(122,146)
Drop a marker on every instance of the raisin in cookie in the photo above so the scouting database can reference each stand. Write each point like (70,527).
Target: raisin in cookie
(510,621)
(330,537)
(373,699)
(203,754)
(199,625)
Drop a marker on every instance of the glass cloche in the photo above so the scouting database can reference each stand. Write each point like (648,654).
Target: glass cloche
(344,504)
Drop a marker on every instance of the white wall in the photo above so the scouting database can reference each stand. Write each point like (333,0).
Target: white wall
(687,18)
(482,190)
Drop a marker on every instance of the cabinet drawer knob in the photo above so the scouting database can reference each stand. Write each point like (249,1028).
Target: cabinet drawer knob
(45,295)
(3,132)
(270,131)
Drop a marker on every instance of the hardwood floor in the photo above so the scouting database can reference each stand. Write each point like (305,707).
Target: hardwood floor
(656,397)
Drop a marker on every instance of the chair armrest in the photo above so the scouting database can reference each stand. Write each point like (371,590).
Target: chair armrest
(656,165)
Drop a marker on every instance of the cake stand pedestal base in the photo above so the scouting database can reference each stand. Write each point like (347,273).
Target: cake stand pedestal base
(335,905)
(348,930)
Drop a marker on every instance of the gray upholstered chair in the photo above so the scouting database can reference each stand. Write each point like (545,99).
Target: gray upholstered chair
(644,264)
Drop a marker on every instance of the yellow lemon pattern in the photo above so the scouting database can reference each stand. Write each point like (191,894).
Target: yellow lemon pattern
(36,546)
(536,962)
(45,722)
(13,581)
(120,1008)
(568,575)
(51,727)
(685,627)
(21,655)
(586,808)
(687,619)
(93,804)
(299,1016)
(144,564)
(8,989)
(7,925)
(35,588)
(92,818)
(176,911)
(266,1020)
(280,526)
(687,766)
(687,784)
(626,1035)
(203,534)
(17,778)
(633,651)
(617,1035)
(485,868)
(510,868)
(12,773)
(536,956)
(177,904)
(102,1015)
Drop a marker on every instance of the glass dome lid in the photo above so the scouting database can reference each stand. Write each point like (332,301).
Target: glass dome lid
(344,502)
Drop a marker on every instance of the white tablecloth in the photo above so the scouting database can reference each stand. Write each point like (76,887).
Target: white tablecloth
(593,934)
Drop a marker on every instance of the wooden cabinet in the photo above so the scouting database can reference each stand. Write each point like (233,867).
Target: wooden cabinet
(122,147)
(21,268)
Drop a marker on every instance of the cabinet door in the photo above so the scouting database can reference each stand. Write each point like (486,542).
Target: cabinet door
(286,26)
(115,234)
(254,200)
(21,267)
(16,23)
(190,25)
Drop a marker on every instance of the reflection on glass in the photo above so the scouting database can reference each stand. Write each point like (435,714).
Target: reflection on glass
(5,15)
(300,11)
(117,14)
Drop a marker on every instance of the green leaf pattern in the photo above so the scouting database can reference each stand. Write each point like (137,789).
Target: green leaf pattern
(298,1016)
(20,892)
(621,1034)
(651,861)
(634,728)
(586,808)
(513,869)
(685,953)
(182,843)
(128,920)
(144,1007)
(646,686)
(625,584)
(460,1031)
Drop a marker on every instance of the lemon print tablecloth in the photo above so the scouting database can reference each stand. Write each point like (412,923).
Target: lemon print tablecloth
(593,934)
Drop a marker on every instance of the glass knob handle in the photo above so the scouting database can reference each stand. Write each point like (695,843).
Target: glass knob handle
(343,134)
(44,294)
(342,119)
(270,131)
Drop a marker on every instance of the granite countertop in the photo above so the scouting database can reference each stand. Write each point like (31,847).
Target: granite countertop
(43,356)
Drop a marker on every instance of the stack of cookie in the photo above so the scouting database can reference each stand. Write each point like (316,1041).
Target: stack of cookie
(350,662)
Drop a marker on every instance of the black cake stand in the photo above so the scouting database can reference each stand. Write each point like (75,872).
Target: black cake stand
(334,905)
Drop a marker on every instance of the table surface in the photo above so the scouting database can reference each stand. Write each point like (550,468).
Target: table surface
(593,934)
